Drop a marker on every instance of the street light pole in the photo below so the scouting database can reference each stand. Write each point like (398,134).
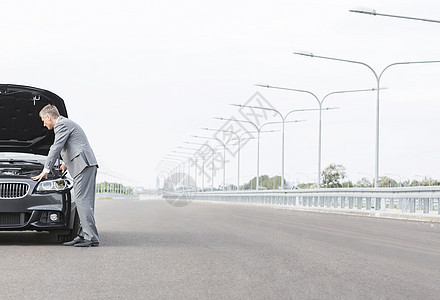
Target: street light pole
(189,165)
(212,162)
(203,165)
(224,154)
(177,158)
(320,102)
(167,165)
(258,129)
(238,152)
(258,145)
(283,118)
(373,12)
(377,76)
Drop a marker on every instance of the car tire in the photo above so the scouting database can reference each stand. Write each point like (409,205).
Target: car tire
(70,234)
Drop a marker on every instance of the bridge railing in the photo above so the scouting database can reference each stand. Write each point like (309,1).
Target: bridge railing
(424,200)
(110,186)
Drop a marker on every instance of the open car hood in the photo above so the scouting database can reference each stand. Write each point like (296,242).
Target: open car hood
(21,128)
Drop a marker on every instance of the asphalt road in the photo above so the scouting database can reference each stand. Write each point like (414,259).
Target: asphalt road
(153,250)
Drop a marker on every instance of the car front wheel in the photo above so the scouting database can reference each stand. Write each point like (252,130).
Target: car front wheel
(68,235)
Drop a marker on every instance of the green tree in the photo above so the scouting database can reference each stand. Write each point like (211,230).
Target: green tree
(113,187)
(253,182)
(406,182)
(386,181)
(364,182)
(347,184)
(427,181)
(333,175)
(309,185)
(231,187)
(265,182)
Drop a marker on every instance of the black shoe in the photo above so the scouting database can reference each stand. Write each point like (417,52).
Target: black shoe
(87,243)
(76,240)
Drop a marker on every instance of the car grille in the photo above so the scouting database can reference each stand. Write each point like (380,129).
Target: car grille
(13,190)
(7,219)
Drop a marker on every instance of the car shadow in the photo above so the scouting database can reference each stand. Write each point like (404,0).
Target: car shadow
(31,238)
(44,238)
(107,239)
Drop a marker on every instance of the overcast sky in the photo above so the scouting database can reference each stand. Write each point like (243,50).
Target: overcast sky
(142,77)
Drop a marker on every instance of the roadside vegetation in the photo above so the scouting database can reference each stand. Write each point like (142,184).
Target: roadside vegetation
(333,176)
(113,187)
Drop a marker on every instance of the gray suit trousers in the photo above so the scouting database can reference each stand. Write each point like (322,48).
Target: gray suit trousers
(84,185)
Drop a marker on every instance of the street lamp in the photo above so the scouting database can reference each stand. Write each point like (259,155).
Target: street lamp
(189,165)
(258,129)
(212,162)
(176,158)
(166,166)
(320,102)
(238,152)
(378,76)
(283,118)
(177,154)
(203,164)
(369,11)
(165,163)
(224,154)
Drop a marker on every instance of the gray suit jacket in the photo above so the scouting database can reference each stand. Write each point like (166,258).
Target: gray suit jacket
(71,142)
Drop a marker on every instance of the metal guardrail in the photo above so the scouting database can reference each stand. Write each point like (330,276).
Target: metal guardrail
(116,196)
(424,200)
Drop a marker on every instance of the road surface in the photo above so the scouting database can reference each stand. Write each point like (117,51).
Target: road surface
(153,250)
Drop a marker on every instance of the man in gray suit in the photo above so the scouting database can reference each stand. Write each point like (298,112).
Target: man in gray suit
(72,144)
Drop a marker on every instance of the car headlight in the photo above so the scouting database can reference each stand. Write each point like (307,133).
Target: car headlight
(56,185)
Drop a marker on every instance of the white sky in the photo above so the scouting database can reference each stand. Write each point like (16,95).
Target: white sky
(141,77)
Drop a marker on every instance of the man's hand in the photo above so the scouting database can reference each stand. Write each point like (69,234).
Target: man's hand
(41,176)
(62,168)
